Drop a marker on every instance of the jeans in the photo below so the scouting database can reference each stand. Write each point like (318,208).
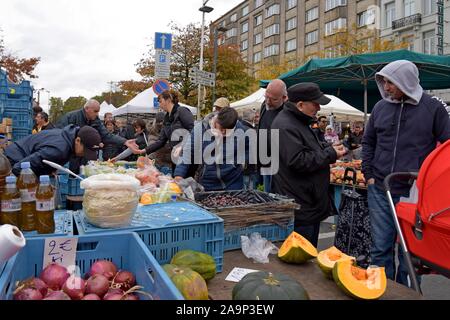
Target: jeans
(267,183)
(250,181)
(309,232)
(384,235)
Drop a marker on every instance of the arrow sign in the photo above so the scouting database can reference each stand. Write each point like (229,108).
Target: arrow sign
(163,41)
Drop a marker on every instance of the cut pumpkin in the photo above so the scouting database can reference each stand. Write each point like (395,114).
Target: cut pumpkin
(296,249)
(327,259)
(359,283)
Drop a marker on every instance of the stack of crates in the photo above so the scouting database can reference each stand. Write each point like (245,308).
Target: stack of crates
(16,103)
(68,186)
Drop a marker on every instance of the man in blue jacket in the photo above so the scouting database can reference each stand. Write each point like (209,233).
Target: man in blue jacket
(56,145)
(221,158)
(403,129)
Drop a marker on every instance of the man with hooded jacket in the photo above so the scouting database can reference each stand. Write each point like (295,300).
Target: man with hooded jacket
(403,129)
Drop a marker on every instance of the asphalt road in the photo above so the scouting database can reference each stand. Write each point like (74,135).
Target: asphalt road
(434,287)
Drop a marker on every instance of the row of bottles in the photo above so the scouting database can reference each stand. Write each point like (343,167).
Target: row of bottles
(28,204)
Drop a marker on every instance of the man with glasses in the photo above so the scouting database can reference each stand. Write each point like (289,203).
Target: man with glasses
(275,99)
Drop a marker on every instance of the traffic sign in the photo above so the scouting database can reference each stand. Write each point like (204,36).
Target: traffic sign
(163,41)
(162,64)
(160,86)
(202,77)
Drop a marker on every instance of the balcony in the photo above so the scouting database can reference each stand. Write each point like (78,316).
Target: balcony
(407,22)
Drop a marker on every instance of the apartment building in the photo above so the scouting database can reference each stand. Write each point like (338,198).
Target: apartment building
(274,31)
(421,24)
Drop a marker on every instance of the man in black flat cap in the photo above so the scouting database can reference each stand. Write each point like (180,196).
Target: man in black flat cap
(304,168)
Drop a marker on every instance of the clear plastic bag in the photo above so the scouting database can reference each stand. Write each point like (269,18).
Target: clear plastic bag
(190,187)
(110,200)
(257,248)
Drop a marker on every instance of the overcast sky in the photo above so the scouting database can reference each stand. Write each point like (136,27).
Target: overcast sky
(84,44)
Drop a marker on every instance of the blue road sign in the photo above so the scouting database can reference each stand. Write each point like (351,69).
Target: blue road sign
(160,85)
(163,41)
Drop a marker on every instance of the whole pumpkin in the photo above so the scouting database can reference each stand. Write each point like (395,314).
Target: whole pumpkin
(190,284)
(200,262)
(264,285)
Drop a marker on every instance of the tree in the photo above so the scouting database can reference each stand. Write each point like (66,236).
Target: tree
(17,68)
(56,109)
(117,98)
(131,88)
(270,70)
(74,103)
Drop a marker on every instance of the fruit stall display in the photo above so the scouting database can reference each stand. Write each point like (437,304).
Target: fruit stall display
(337,172)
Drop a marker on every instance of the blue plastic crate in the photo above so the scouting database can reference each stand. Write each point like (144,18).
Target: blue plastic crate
(125,250)
(63,225)
(63,181)
(74,187)
(18,104)
(19,133)
(272,232)
(170,227)
(20,119)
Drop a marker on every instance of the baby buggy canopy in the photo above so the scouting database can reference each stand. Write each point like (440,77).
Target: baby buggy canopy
(424,227)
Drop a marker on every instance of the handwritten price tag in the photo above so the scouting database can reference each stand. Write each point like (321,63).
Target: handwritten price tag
(61,251)
(238,273)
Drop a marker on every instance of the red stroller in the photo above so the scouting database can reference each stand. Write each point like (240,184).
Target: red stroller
(424,228)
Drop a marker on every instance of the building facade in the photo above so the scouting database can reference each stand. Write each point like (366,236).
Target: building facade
(277,31)
(280,31)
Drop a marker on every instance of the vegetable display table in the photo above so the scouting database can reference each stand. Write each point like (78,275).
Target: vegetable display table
(309,275)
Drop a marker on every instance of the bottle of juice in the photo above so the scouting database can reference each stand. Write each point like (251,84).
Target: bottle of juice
(45,206)
(5,170)
(27,185)
(11,203)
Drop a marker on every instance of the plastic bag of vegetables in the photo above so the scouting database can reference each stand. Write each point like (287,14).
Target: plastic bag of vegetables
(110,200)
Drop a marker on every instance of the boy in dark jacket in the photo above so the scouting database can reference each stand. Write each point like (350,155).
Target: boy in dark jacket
(304,161)
(57,145)
(403,129)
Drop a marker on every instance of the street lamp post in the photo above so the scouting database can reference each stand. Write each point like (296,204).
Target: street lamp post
(204,9)
(216,35)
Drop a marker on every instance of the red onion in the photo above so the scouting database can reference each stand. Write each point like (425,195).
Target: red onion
(104,267)
(54,276)
(57,295)
(28,294)
(131,297)
(33,283)
(114,294)
(74,287)
(97,284)
(91,296)
(125,280)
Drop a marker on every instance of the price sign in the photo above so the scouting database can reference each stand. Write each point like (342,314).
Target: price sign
(61,251)
(237,274)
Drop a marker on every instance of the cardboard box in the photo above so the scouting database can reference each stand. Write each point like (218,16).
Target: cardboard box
(2,128)
(7,121)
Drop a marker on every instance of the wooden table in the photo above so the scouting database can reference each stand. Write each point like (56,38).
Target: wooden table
(309,275)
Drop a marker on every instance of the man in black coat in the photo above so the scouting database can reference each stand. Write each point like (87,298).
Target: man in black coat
(304,161)
(57,145)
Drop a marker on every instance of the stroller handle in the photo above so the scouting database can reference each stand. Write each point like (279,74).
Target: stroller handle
(398,176)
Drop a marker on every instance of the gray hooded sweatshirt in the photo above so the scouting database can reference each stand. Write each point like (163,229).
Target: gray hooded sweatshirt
(401,134)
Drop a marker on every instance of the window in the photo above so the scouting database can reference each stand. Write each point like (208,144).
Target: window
(223,24)
(410,41)
(221,41)
(258,20)
(244,45)
(244,27)
(272,10)
(333,52)
(272,50)
(366,18)
(389,9)
(258,38)
(257,57)
(291,4)
(332,26)
(291,45)
(331,4)
(258,3)
(271,30)
(291,24)
(429,42)
(232,33)
(312,14)
(233,17)
(245,11)
(312,37)
(410,7)
(429,7)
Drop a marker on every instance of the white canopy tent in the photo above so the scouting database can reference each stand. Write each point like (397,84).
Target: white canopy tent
(144,103)
(105,108)
(337,107)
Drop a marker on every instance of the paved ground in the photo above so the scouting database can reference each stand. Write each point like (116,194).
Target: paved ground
(433,286)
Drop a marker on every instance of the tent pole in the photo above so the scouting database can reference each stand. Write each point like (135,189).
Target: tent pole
(365,101)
